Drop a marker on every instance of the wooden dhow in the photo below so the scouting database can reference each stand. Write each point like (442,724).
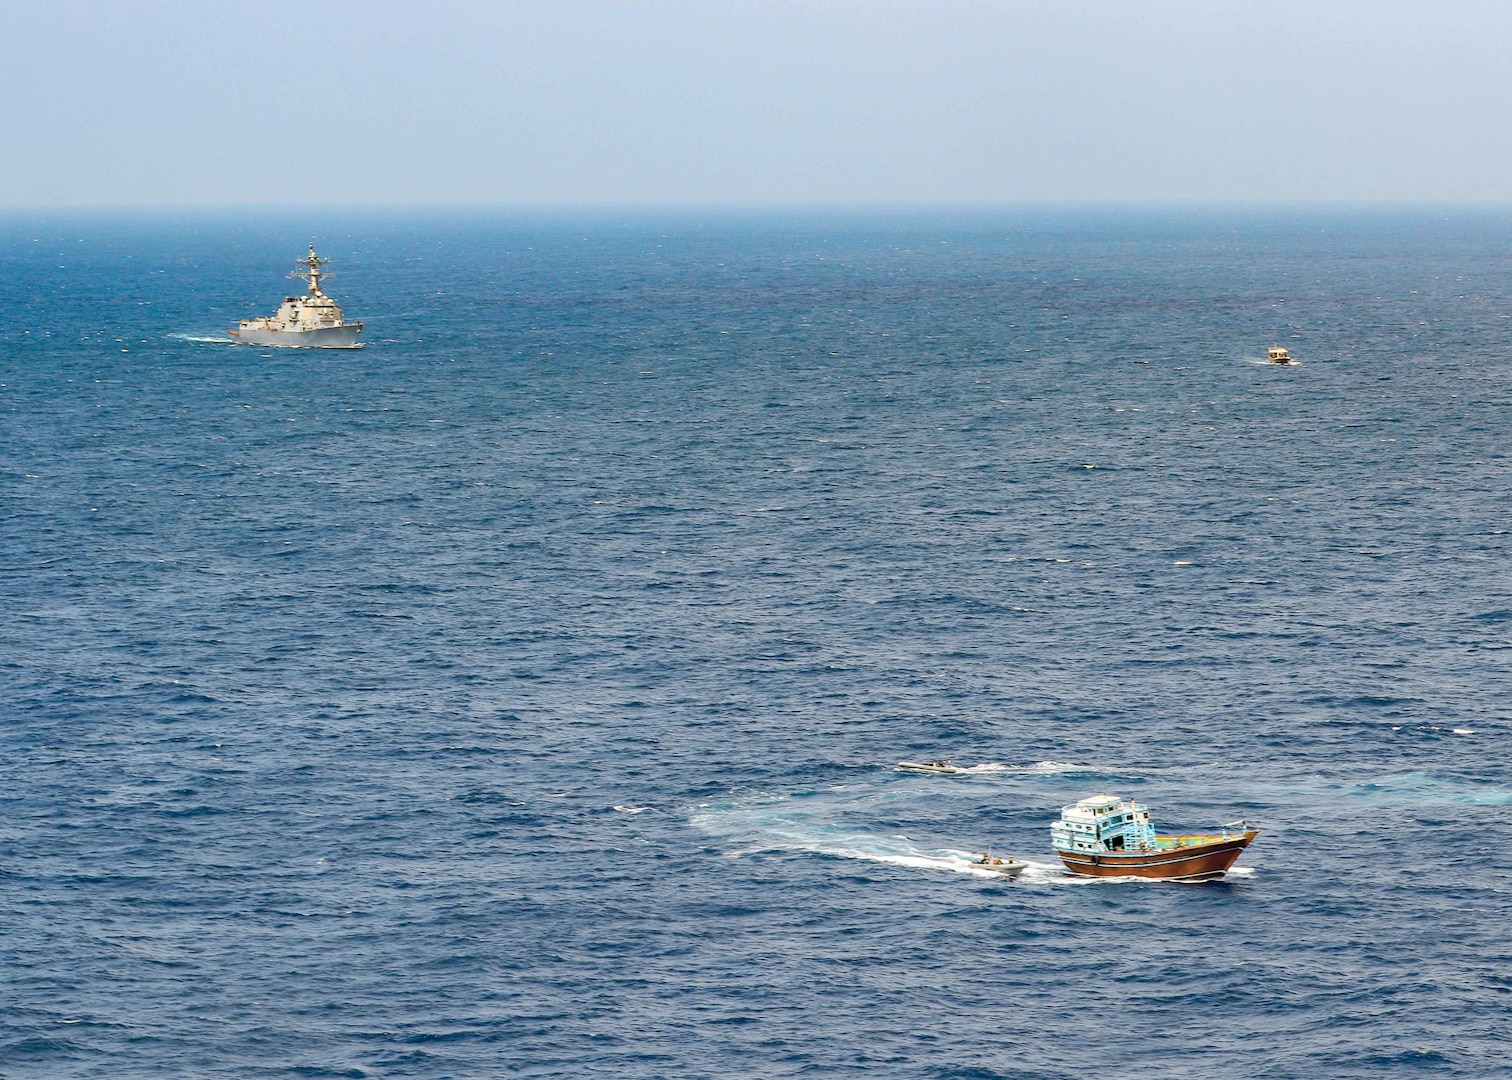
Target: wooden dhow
(1106,836)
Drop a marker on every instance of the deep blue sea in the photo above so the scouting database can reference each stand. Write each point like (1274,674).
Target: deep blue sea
(520,695)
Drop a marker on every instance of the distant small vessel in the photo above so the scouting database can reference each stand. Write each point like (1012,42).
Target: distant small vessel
(312,321)
(940,766)
(1277,355)
(1008,868)
(1106,836)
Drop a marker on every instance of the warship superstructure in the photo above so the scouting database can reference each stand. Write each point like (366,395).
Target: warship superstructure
(312,321)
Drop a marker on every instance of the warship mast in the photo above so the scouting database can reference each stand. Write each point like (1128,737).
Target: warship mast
(310,271)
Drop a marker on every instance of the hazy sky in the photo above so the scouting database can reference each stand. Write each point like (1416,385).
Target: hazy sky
(666,101)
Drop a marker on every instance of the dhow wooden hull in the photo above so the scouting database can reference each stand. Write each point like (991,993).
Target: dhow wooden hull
(1203,861)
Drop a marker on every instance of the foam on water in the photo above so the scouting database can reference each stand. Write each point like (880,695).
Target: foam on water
(1039,768)
(204,339)
(767,823)
(1262,362)
(1065,768)
(1424,790)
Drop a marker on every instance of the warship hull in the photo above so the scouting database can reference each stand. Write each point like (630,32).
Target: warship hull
(325,337)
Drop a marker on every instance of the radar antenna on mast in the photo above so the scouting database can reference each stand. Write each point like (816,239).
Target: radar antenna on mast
(309,270)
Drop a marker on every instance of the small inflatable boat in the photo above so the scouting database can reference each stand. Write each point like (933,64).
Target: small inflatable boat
(1008,868)
(941,766)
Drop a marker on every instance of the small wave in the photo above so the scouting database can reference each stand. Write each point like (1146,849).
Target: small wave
(1424,789)
(1056,874)
(1262,362)
(631,809)
(1057,768)
(1038,768)
(772,823)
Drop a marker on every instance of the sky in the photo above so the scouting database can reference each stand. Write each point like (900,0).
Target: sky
(669,102)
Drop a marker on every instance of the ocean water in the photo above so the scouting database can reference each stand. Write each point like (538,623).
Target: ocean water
(520,695)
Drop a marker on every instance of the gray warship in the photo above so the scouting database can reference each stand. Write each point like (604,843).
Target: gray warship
(312,321)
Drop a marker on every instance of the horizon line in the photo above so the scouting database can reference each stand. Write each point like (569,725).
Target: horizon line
(765,206)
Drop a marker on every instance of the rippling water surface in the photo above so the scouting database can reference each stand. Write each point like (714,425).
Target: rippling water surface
(519,695)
